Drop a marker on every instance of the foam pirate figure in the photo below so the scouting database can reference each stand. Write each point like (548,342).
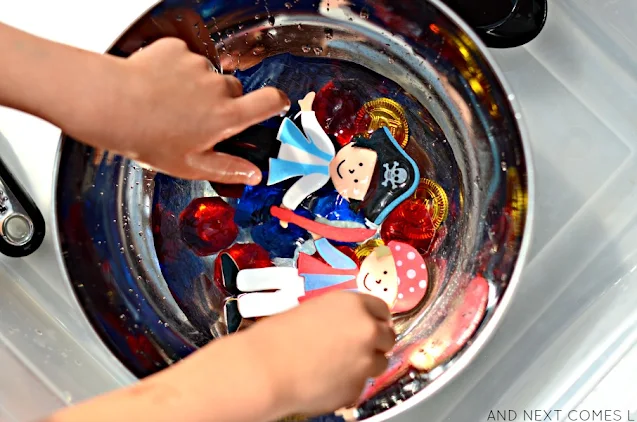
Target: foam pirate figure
(373,173)
(395,273)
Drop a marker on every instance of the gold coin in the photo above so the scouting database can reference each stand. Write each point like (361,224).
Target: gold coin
(362,251)
(435,199)
(517,200)
(385,112)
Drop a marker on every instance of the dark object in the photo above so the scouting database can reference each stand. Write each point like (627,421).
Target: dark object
(21,223)
(503,23)
(229,272)
(232,315)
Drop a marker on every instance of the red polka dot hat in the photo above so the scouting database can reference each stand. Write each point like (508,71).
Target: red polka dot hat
(412,276)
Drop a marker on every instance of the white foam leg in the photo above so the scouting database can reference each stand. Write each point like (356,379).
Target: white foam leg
(273,278)
(252,305)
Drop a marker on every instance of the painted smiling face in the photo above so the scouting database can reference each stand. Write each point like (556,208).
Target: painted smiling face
(378,276)
(351,171)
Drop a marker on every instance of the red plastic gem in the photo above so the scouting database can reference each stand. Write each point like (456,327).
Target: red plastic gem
(246,255)
(336,107)
(410,223)
(346,250)
(207,225)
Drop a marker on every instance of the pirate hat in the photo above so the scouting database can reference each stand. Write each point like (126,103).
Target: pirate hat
(396,176)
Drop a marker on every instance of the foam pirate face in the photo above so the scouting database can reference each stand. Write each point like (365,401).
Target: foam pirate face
(352,170)
(378,276)
(395,176)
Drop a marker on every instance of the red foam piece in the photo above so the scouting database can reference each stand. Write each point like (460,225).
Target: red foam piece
(339,234)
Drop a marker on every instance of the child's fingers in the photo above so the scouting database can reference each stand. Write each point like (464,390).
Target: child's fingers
(255,107)
(376,307)
(379,365)
(386,338)
(224,168)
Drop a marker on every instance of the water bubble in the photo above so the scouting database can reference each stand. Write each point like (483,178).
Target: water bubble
(364,13)
(141,233)
(38,332)
(288,5)
(329,33)
(271,35)
(306,48)
(287,40)
(511,97)
(179,18)
(299,27)
(77,362)
(503,166)
(122,316)
(139,277)
(256,17)
(518,116)
(318,50)
(271,20)
(391,61)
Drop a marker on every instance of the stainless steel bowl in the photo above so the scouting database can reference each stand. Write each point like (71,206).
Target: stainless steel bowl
(152,309)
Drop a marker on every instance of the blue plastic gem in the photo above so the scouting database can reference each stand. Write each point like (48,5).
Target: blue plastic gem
(334,207)
(253,207)
(280,242)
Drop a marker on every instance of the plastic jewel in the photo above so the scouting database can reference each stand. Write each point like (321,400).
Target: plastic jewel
(207,225)
(336,106)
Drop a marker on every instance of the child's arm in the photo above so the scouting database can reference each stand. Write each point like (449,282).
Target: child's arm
(310,361)
(163,95)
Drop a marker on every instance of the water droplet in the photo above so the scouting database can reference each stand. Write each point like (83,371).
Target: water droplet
(306,48)
(288,5)
(271,20)
(67,396)
(364,13)
(122,316)
(329,33)
(503,166)
(318,50)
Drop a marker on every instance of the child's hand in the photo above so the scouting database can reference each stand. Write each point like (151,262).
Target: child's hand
(320,354)
(165,107)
